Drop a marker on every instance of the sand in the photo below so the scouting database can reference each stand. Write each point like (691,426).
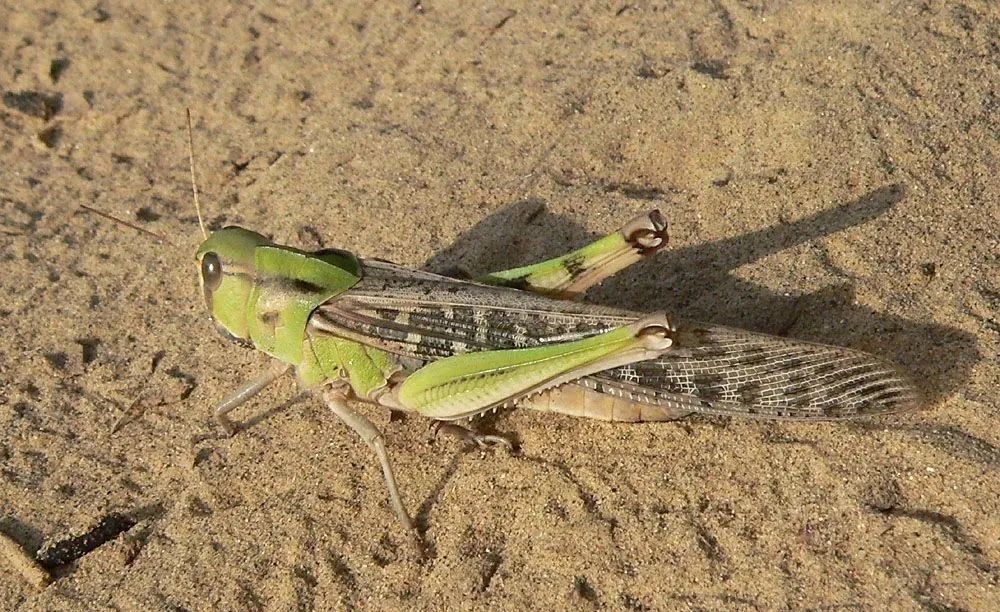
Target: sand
(829,171)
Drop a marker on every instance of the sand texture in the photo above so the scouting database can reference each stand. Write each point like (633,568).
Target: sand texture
(829,170)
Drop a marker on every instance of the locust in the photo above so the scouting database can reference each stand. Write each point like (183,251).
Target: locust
(450,349)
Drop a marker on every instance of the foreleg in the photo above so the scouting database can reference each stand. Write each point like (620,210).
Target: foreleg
(246,393)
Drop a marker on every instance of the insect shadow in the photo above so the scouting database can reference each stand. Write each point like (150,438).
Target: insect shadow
(697,282)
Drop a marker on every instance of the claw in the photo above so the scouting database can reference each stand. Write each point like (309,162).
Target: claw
(227,424)
(483,441)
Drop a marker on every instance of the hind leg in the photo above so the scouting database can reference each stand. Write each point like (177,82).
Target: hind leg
(570,275)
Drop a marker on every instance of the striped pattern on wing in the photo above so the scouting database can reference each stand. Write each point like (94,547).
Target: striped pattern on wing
(427,316)
(712,369)
(726,371)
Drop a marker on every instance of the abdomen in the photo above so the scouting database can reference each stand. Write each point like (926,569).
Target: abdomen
(578,400)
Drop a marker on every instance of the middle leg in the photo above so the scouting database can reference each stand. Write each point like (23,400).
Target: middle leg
(336,400)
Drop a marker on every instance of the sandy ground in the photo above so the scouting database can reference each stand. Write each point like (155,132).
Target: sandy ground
(829,170)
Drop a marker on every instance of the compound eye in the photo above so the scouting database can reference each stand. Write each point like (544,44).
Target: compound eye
(211,271)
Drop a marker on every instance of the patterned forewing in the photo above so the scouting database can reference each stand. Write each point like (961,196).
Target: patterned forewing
(711,369)
(426,316)
(720,370)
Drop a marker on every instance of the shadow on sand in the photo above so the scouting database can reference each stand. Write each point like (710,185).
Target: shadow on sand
(697,282)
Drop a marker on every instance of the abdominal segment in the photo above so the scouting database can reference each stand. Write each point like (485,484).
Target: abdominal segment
(582,399)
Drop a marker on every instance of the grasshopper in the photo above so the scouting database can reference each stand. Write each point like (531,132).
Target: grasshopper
(452,349)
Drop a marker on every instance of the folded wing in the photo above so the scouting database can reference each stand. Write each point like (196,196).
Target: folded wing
(711,369)
(726,371)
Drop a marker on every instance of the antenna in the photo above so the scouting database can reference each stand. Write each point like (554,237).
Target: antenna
(194,181)
(137,228)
